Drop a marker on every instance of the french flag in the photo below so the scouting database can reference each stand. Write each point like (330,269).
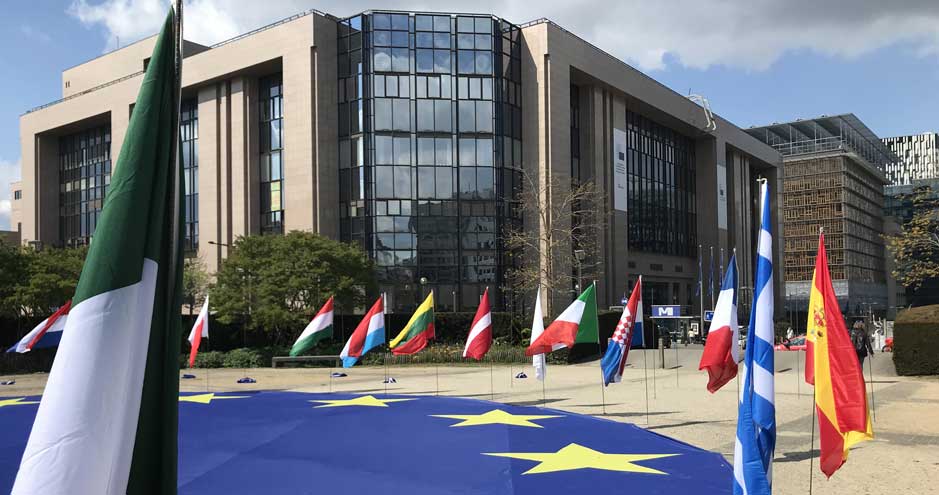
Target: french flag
(46,334)
(630,325)
(369,334)
(721,351)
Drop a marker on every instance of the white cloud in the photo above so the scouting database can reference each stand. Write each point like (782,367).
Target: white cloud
(747,34)
(9,172)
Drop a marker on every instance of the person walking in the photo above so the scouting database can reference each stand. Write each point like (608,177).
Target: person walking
(861,341)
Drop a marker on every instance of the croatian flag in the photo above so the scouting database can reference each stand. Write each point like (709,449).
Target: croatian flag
(369,334)
(721,351)
(46,334)
(199,331)
(756,419)
(629,324)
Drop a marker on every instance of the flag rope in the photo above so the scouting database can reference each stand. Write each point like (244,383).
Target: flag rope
(645,369)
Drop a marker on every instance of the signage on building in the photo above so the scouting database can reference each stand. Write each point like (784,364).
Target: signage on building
(721,196)
(619,170)
(663,311)
(708,315)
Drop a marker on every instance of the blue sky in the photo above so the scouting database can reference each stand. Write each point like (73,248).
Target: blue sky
(756,62)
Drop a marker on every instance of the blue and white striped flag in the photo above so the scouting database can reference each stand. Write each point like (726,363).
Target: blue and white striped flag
(756,418)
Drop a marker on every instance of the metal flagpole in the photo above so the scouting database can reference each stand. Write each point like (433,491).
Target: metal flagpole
(711,278)
(701,291)
(870,369)
(645,369)
(811,449)
(492,389)
(384,353)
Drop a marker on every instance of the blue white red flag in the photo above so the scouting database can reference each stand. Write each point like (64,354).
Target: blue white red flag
(721,350)
(46,334)
(368,334)
(630,325)
(756,418)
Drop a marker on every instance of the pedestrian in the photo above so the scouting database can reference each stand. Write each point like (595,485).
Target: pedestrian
(862,342)
(790,333)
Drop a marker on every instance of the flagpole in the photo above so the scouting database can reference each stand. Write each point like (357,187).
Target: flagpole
(492,389)
(811,449)
(384,353)
(870,369)
(645,369)
(711,278)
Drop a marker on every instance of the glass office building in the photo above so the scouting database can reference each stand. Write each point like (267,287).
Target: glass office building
(430,150)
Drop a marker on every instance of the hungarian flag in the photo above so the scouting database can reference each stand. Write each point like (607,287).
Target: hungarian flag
(107,423)
(47,333)
(840,396)
(320,327)
(576,325)
(630,322)
(368,334)
(418,331)
(480,336)
(721,350)
(199,330)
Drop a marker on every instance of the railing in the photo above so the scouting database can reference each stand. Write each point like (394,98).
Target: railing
(89,90)
(275,24)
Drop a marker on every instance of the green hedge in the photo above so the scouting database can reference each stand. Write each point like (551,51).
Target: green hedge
(916,341)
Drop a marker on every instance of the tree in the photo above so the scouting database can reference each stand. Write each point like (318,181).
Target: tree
(195,282)
(50,278)
(12,273)
(277,283)
(915,247)
(563,223)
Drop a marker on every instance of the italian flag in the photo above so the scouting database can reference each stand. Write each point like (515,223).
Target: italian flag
(320,327)
(420,328)
(576,325)
(107,423)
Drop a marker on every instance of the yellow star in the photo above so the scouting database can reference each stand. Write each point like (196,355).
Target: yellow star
(365,400)
(208,398)
(495,417)
(16,402)
(579,457)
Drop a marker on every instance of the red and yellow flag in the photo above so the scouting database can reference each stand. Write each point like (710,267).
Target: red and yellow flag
(840,397)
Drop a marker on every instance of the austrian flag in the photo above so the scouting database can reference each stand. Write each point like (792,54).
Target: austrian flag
(480,336)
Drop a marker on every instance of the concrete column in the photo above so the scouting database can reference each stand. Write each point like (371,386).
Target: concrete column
(299,185)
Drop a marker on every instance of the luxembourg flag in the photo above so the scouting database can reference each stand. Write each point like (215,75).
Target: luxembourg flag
(46,334)
(199,331)
(721,351)
(480,336)
(629,324)
(369,334)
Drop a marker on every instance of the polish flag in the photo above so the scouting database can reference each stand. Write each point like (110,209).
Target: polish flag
(721,351)
(480,336)
(199,329)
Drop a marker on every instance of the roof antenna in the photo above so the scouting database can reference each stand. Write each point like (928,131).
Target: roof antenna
(711,125)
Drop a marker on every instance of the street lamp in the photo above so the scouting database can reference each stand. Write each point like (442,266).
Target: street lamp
(579,255)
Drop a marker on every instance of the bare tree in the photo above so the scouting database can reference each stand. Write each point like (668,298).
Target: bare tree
(557,246)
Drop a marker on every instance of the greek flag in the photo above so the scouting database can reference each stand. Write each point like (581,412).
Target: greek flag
(756,418)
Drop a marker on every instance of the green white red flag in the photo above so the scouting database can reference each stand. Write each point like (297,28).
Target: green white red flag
(319,328)
(577,324)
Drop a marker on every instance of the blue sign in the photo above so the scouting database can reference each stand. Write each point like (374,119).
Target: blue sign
(671,311)
(708,315)
(624,301)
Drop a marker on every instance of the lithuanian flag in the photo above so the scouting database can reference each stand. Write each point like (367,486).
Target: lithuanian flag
(418,331)
(840,397)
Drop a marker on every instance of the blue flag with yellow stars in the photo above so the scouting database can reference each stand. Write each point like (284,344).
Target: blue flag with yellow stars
(288,442)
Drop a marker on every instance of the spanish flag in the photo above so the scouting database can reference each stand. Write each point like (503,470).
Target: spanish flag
(418,331)
(840,397)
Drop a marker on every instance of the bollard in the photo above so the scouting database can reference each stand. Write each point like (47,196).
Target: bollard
(662,351)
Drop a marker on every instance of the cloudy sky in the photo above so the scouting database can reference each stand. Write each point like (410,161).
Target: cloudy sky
(757,61)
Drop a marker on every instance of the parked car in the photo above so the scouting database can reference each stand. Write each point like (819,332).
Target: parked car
(888,345)
(793,344)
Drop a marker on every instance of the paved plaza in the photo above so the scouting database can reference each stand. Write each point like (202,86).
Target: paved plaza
(906,409)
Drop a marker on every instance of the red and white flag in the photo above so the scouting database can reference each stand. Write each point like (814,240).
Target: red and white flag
(721,351)
(480,336)
(199,329)
(46,334)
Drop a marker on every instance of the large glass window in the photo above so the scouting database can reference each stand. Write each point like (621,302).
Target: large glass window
(440,144)
(189,144)
(84,178)
(662,212)
(271,101)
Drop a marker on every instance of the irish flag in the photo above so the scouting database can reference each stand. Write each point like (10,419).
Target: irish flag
(840,396)
(107,423)
(320,327)
(418,331)
(577,324)
(480,337)
(200,330)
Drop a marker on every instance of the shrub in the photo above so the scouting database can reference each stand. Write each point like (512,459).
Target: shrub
(209,359)
(916,341)
(243,358)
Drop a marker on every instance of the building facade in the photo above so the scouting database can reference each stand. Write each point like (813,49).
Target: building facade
(413,134)
(917,158)
(834,180)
